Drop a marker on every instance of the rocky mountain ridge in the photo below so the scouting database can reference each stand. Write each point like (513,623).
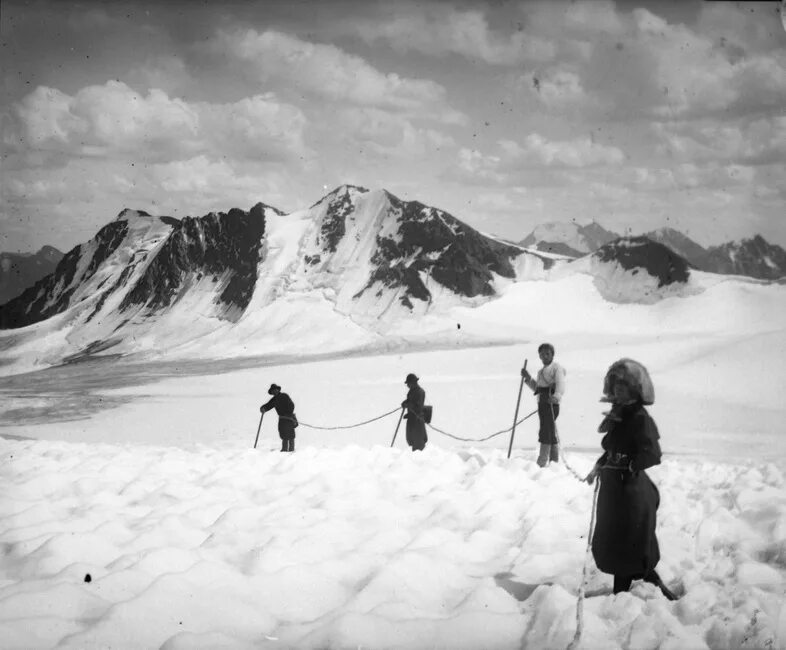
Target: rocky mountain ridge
(754,257)
(18,271)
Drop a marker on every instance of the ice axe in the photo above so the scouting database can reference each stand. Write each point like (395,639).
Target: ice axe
(395,433)
(516,416)
(259,428)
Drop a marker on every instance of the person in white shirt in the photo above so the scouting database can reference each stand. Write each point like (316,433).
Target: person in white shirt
(549,386)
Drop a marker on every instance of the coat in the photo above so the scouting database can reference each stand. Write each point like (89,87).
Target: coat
(285,408)
(416,427)
(624,542)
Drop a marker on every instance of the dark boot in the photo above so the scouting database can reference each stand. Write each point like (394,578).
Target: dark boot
(622,583)
(291,446)
(653,578)
(284,444)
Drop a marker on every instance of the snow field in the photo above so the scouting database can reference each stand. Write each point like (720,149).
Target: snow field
(368,547)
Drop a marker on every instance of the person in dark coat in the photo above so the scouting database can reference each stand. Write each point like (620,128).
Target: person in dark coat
(416,425)
(549,387)
(287,421)
(624,543)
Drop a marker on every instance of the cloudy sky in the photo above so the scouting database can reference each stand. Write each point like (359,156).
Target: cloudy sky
(506,114)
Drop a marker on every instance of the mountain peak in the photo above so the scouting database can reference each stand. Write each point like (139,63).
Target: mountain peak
(568,238)
(345,190)
(127,214)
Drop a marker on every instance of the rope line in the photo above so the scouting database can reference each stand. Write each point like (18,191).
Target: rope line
(489,437)
(348,426)
(580,603)
(559,444)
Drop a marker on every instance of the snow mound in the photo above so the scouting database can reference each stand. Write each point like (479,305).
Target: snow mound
(113,546)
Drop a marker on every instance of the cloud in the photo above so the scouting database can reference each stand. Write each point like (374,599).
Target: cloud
(113,119)
(754,142)
(537,159)
(579,152)
(389,134)
(441,30)
(618,64)
(330,73)
(477,168)
(561,89)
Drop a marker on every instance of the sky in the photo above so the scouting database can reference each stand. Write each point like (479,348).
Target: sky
(637,115)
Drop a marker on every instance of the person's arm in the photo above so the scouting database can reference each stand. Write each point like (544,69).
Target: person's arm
(559,384)
(590,478)
(647,446)
(531,383)
(268,405)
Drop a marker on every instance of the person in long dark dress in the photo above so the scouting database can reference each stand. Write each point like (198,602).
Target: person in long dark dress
(624,543)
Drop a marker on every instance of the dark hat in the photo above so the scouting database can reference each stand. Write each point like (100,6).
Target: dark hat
(410,378)
(273,388)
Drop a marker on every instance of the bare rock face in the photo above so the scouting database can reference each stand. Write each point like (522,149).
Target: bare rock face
(52,294)
(643,254)
(754,257)
(216,244)
(432,243)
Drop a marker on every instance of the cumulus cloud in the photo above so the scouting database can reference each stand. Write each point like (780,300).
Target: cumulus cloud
(442,30)
(624,64)
(329,72)
(579,152)
(389,134)
(478,168)
(113,119)
(536,159)
(754,142)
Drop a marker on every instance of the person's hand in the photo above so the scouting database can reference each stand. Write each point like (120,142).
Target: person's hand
(525,374)
(553,400)
(590,478)
(261,409)
(404,404)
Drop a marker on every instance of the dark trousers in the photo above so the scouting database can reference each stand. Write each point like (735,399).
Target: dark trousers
(287,444)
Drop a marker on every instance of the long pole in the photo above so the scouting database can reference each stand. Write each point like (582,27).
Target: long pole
(516,415)
(259,428)
(400,417)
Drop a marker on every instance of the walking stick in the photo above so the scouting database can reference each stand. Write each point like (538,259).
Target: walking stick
(400,417)
(516,416)
(259,428)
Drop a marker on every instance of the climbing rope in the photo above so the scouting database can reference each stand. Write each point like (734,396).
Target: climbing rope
(580,603)
(498,433)
(420,417)
(348,426)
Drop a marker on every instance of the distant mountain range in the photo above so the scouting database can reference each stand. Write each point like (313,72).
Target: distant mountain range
(754,257)
(350,270)
(18,271)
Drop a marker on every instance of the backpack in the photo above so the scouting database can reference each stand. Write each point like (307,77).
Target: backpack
(427,413)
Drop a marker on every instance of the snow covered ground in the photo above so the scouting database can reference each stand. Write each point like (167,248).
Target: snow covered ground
(143,477)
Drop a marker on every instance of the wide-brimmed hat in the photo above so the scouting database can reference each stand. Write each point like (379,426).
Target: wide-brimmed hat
(410,378)
(634,375)
(273,388)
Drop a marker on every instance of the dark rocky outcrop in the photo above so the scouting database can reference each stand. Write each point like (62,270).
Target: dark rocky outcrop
(433,243)
(212,245)
(334,224)
(635,253)
(754,257)
(52,294)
